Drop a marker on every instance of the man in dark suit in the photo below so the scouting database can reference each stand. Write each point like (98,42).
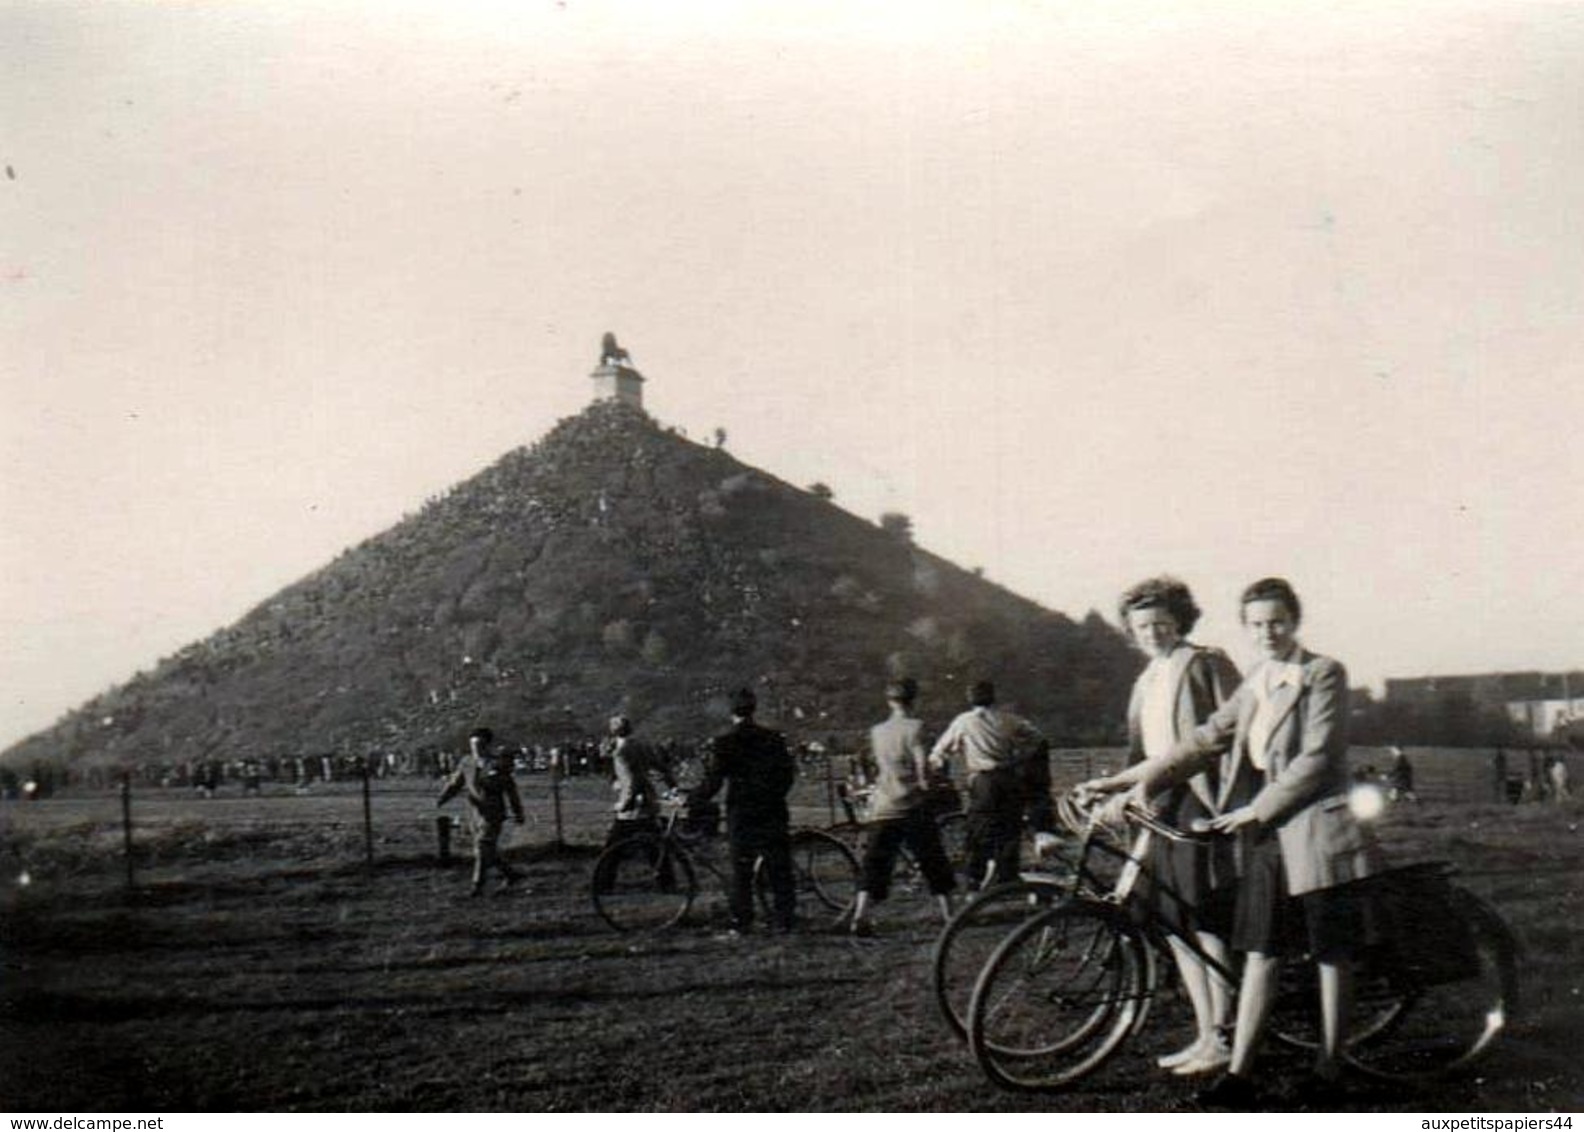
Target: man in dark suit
(756,768)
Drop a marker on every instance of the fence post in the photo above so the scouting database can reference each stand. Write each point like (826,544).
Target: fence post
(126,825)
(368,814)
(555,796)
(830,786)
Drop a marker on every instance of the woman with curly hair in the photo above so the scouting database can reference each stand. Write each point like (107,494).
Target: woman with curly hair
(1301,851)
(1180,688)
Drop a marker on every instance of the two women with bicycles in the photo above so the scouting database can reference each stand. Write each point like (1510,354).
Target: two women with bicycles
(1282,734)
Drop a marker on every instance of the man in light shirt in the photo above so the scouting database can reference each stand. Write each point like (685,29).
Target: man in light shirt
(1002,756)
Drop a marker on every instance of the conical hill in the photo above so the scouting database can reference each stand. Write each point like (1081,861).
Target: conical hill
(612,566)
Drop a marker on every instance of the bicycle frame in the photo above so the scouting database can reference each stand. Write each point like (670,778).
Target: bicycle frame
(823,868)
(1086,883)
(1409,1032)
(700,848)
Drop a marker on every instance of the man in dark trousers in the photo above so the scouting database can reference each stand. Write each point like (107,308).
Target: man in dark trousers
(1400,778)
(899,810)
(1007,764)
(755,766)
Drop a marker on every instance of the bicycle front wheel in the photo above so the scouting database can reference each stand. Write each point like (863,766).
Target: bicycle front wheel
(643,883)
(1057,998)
(966,943)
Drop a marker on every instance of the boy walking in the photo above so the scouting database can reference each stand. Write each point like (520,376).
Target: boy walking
(486,778)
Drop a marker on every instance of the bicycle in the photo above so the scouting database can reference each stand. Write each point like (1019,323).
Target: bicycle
(854,828)
(648,881)
(970,937)
(1068,987)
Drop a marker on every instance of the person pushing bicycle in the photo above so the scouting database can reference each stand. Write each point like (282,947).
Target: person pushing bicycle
(756,768)
(634,768)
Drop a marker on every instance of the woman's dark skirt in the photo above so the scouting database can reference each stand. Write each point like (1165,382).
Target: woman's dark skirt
(1329,924)
(1190,886)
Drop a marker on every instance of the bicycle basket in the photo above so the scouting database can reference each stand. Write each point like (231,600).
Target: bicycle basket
(1421,935)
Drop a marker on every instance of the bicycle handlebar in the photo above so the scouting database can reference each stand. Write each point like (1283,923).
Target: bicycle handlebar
(1083,816)
(1138,814)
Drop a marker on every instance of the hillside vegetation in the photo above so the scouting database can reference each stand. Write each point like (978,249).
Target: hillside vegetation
(614,565)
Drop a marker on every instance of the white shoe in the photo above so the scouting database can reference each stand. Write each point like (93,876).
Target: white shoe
(1182,1056)
(1212,1058)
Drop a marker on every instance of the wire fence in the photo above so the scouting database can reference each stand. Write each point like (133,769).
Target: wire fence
(149,830)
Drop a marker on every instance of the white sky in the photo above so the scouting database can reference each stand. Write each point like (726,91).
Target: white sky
(1090,290)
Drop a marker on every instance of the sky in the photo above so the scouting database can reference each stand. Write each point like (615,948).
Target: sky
(1091,291)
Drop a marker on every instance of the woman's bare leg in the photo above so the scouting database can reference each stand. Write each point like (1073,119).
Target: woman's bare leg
(1255,999)
(1336,1002)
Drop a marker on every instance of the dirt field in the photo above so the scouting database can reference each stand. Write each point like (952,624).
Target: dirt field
(260,965)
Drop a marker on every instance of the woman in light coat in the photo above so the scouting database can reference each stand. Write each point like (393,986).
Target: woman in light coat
(1299,845)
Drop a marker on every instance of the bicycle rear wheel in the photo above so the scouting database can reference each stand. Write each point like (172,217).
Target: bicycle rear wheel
(966,943)
(850,833)
(1378,1002)
(1447,1015)
(1057,998)
(643,884)
(827,875)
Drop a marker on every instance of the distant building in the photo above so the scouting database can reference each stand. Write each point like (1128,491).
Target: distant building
(614,377)
(1542,703)
(1546,718)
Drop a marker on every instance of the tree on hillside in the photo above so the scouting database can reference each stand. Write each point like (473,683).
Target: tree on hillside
(821,490)
(897,525)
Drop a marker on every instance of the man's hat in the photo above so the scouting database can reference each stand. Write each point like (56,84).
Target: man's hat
(903,691)
(743,702)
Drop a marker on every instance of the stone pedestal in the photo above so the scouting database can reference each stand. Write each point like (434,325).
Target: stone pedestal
(615,382)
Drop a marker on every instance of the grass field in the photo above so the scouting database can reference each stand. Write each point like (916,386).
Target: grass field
(260,965)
